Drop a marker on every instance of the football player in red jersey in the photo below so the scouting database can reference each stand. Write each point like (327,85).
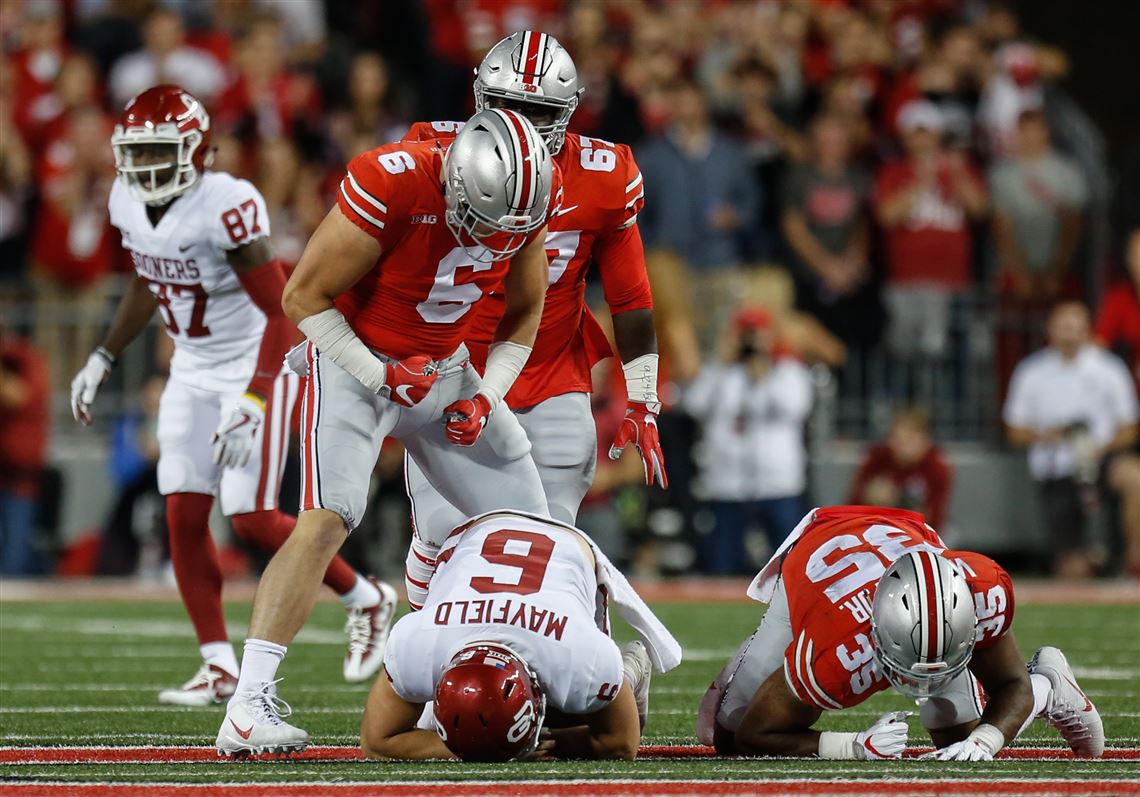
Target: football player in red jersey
(199,241)
(861,599)
(533,74)
(385,293)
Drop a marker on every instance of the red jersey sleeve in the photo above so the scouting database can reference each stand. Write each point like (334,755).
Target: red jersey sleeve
(618,250)
(801,661)
(993,595)
(369,189)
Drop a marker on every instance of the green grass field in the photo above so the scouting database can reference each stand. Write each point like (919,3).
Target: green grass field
(87,674)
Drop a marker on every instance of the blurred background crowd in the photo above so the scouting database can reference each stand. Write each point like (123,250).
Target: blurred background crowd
(894,245)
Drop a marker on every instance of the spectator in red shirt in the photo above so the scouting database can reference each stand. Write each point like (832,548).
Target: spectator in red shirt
(73,246)
(37,63)
(25,404)
(925,202)
(907,471)
(1118,322)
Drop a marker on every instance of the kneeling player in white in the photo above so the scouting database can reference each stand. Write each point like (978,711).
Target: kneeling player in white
(507,641)
(199,241)
(861,599)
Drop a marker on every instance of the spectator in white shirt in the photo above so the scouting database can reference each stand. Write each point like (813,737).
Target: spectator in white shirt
(1074,406)
(165,58)
(752,462)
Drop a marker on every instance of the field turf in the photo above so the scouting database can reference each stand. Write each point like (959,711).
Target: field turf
(84,674)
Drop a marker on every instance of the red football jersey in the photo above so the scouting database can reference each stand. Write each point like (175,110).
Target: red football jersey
(830,574)
(602,193)
(419,299)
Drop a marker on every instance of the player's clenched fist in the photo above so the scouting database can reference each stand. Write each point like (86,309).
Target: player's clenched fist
(466,419)
(640,428)
(885,739)
(407,382)
(86,383)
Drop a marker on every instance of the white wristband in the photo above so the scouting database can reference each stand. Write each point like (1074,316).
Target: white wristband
(641,380)
(837,746)
(330,332)
(989,737)
(505,361)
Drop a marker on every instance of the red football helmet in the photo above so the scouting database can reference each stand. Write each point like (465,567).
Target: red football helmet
(489,705)
(162,144)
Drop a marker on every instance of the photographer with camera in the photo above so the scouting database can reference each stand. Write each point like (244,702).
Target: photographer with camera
(1073,405)
(752,404)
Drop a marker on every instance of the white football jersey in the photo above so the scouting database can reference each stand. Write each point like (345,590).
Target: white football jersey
(215,326)
(523,582)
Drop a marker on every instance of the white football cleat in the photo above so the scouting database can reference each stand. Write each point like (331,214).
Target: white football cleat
(254,724)
(1068,709)
(210,685)
(638,671)
(367,631)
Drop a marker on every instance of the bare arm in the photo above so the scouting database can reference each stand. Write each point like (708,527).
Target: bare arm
(131,317)
(804,244)
(388,730)
(775,723)
(634,334)
(1072,224)
(336,257)
(524,293)
(1023,436)
(613,732)
(1009,696)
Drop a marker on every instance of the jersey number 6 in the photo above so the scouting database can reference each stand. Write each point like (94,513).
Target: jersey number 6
(532,564)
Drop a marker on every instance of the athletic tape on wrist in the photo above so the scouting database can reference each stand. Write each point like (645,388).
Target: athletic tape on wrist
(641,379)
(335,339)
(505,361)
(989,737)
(837,746)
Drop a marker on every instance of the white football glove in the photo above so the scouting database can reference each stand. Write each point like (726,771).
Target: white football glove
(234,439)
(885,739)
(982,744)
(86,383)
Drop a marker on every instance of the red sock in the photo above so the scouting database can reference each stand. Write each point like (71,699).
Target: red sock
(196,563)
(268,530)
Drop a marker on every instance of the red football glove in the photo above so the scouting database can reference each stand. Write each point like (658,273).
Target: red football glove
(640,428)
(408,381)
(466,419)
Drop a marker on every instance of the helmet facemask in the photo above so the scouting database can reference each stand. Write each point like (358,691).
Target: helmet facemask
(156,165)
(549,115)
(485,240)
(921,681)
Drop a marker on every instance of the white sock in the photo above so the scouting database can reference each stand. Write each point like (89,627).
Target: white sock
(1042,691)
(259,664)
(220,654)
(363,594)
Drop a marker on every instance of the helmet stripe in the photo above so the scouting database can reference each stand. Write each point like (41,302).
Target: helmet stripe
(526,175)
(533,49)
(930,605)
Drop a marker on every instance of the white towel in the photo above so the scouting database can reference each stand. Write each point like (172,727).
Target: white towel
(764,585)
(663,648)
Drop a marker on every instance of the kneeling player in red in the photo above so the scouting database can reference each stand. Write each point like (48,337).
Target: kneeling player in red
(861,599)
(511,654)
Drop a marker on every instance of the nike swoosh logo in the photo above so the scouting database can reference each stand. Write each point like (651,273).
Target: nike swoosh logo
(564,211)
(1088,705)
(243,734)
(185,248)
(402,392)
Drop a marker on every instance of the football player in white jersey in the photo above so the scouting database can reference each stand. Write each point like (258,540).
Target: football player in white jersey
(509,640)
(199,241)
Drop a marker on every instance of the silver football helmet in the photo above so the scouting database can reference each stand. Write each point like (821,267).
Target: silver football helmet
(532,73)
(497,183)
(923,623)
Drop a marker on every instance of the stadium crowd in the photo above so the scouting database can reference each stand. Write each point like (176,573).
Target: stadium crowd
(896,190)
